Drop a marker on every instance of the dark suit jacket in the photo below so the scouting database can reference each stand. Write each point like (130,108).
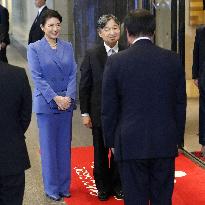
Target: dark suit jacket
(198,68)
(4,24)
(15,109)
(36,32)
(143,102)
(90,88)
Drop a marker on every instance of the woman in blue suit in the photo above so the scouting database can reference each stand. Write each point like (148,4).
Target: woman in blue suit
(53,71)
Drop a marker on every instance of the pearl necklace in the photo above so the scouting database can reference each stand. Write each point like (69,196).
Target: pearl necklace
(53,45)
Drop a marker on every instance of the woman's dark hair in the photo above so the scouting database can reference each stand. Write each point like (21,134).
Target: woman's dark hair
(49,13)
(140,22)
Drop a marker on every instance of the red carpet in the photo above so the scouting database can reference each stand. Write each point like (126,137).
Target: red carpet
(190,189)
(198,155)
(189,186)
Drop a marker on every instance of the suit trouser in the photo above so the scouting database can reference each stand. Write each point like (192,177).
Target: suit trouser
(105,171)
(55,145)
(148,181)
(202,117)
(3,57)
(12,189)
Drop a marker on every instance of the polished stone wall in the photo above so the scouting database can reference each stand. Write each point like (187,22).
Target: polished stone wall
(65,8)
(22,15)
(163,23)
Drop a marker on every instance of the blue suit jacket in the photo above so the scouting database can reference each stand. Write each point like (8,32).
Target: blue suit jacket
(53,71)
(143,102)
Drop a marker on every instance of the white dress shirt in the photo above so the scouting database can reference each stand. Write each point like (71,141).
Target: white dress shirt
(112,50)
(141,38)
(40,9)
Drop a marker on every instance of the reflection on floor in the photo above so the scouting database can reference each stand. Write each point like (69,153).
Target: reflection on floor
(81,137)
(191,141)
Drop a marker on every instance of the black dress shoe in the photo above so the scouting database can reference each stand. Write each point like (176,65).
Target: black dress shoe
(54,198)
(119,194)
(103,195)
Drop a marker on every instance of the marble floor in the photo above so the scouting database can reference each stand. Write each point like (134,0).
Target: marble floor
(81,137)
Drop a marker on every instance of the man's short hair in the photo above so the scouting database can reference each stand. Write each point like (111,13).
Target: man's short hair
(140,22)
(102,21)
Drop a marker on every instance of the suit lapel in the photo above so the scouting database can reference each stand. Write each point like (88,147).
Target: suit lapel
(101,55)
(60,50)
(57,55)
(45,8)
(37,19)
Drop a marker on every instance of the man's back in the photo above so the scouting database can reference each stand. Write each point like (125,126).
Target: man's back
(147,80)
(15,109)
(143,112)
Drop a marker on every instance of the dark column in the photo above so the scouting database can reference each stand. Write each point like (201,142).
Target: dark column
(146,4)
(85,15)
(122,7)
(181,31)
(174,25)
(181,41)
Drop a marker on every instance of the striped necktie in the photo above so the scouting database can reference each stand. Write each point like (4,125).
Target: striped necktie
(111,52)
(37,17)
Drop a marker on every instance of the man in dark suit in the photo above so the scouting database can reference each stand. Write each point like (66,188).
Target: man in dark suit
(143,113)
(198,74)
(4,32)
(107,178)
(36,32)
(15,109)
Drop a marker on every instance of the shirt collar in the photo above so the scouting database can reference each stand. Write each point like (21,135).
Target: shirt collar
(141,38)
(115,48)
(40,9)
